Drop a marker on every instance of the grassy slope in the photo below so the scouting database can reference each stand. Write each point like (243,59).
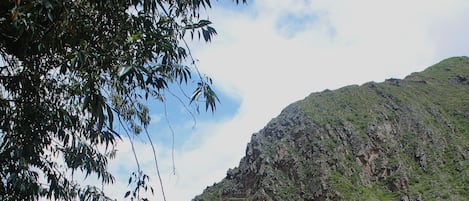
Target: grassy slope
(436,99)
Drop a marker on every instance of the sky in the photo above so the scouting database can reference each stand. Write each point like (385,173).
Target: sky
(271,53)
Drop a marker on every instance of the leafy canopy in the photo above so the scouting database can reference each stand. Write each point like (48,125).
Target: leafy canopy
(70,70)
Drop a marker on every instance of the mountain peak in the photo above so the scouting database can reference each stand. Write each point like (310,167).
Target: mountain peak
(400,139)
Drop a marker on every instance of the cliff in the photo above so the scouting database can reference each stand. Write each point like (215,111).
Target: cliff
(396,140)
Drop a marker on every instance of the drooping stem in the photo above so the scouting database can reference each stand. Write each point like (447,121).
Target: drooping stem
(156,163)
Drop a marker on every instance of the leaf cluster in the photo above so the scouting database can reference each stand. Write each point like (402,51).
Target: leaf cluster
(141,183)
(70,70)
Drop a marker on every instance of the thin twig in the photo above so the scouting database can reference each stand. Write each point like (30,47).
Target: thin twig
(156,163)
(182,91)
(192,58)
(131,142)
(172,135)
(185,107)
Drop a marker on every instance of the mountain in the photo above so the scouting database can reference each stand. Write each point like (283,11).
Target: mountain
(396,140)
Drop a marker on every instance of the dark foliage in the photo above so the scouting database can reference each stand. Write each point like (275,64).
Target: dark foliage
(71,69)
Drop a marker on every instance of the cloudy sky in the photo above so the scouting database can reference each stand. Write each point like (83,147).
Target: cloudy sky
(270,53)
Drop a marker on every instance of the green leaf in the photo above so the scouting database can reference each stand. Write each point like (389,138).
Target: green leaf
(86,102)
(73,63)
(206,35)
(66,139)
(110,115)
(210,99)
(196,94)
(81,59)
(123,71)
(136,36)
(204,23)
(49,16)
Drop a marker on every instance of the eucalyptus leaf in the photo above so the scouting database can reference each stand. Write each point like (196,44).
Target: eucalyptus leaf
(123,71)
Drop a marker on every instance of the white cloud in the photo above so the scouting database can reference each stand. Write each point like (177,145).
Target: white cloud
(349,42)
(155,118)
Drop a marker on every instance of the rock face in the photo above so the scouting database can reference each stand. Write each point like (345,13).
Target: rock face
(397,140)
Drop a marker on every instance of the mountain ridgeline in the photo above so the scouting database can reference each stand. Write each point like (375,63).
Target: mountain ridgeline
(396,140)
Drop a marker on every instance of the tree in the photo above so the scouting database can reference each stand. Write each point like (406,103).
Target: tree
(70,70)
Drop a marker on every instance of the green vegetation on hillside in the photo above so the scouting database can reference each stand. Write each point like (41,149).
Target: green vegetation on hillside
(397,140)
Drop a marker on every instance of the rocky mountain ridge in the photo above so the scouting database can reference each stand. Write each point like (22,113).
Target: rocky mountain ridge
(397,140)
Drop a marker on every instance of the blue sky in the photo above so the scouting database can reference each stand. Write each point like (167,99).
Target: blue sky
(271,53)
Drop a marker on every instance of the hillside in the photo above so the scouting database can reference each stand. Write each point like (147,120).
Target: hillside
(396,140)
